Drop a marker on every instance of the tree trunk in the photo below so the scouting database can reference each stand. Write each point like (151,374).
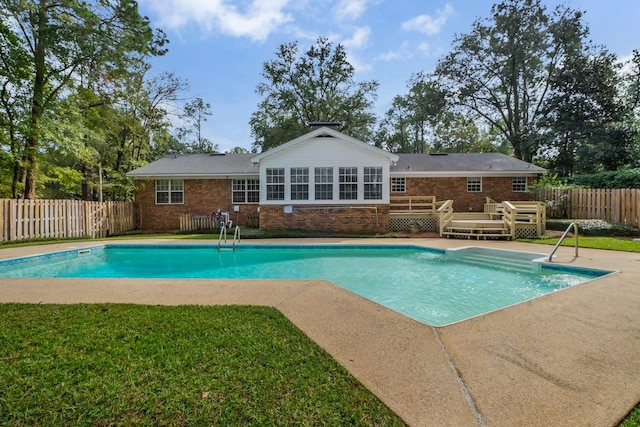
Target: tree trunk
(31,149)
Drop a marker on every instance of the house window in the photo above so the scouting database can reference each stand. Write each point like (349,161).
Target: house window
(169,191)
(373,183)
(474,184)
(299,183)
(399,185)
(519,184)
(245,191)
(324,183)
(275,183)
(348,183)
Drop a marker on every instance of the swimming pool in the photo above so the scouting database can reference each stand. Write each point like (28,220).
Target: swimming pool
(433,286)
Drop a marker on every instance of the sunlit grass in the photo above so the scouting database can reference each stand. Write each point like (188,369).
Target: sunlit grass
(609,243)
(115,364)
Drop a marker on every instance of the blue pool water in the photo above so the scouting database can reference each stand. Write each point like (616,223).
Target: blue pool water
(425,284)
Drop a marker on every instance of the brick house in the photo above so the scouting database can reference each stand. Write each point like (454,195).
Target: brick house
(323,180)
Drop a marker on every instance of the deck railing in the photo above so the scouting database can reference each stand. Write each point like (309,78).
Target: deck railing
(531,212)
(412,204)
(445,212)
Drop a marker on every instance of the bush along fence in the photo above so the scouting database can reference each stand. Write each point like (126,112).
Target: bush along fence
(51,219)
(614,205)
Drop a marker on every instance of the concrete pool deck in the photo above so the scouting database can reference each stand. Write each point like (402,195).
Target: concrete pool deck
(568,358)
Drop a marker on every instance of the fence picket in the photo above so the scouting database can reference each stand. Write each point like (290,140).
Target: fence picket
(615,205)
(37,219)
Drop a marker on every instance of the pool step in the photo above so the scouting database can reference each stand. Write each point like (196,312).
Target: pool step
(504,263)
(498,258)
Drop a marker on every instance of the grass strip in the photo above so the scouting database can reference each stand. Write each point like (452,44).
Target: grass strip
(608,243)
(117,364)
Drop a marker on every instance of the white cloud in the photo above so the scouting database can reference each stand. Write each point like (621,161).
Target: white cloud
(350,9)
(256,21)
(425,48)
(359,39)
(400,54)
(427,24)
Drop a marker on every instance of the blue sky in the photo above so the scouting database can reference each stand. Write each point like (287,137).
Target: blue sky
(219,46)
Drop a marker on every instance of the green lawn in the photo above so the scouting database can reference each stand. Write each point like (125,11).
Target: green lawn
(609,243)
(114,364)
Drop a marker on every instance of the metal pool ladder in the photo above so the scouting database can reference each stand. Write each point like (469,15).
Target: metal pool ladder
(575,234)
(223,234)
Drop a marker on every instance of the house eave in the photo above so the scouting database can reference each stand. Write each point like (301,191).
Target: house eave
(465,174)
(196,176)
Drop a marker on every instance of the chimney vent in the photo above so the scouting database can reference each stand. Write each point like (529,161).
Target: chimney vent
(331,125)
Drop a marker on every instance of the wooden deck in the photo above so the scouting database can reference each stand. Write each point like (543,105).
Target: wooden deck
(499,220)
(477,228)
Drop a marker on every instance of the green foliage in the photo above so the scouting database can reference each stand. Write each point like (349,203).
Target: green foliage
(112,364)
(410,122)
(584,123)
(632,419)
(48,47)
(317,86)
(624,178)
(194,114)
(500,71)
(593,227)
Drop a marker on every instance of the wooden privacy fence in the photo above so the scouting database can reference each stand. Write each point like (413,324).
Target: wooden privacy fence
(615,205)
(49,219)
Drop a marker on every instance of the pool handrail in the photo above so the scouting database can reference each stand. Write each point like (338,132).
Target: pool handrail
(575,233)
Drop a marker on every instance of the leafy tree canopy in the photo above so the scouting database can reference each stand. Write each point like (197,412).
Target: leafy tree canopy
(315,86)
(501,71)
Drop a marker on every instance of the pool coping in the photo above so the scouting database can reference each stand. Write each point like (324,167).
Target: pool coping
(563,359)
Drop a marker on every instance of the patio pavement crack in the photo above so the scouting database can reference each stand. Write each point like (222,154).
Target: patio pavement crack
(463,386)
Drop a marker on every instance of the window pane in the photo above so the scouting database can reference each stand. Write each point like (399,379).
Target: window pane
(474,184)
(299,183)
(519,184)
(373,183)
(176,197)
(398,185)
(177,185)
(324,183)
(162,197)
(324,191)
(275,183)
(348,178)
(162,185)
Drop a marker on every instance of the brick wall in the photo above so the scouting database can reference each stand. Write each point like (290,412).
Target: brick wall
(497,188)
(339,220)
(201,197)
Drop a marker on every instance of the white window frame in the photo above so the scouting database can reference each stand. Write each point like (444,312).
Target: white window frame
(323,183)
(299,183)
(174,187)
(519,184)
(399,185)
(372,178)
(348,183)
(474,184)
(247,190)
(275,180)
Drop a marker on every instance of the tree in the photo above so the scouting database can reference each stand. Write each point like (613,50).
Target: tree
(195,114)
(501,71)
(317,86)
(412,118)
(583,119)
(54,45)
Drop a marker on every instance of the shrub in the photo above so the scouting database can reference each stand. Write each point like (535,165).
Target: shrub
(625,178)
(593,227)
